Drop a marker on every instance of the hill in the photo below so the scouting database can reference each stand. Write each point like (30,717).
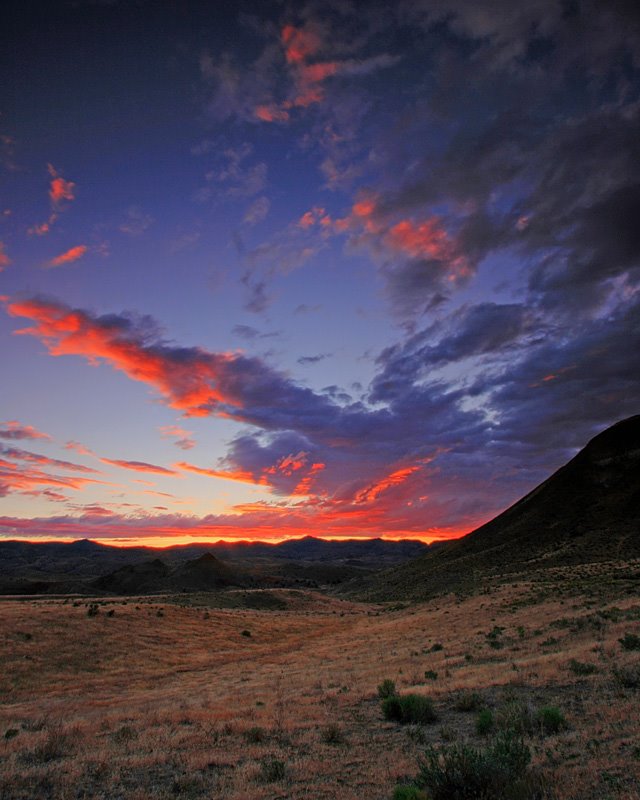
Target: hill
(588,511)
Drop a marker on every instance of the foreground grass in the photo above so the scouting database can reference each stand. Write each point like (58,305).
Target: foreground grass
(158,700)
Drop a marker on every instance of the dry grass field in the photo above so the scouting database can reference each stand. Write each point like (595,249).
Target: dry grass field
(150,698)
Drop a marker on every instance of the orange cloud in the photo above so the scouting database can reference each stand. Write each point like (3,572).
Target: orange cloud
(238,475)
(305,485)
(59,189)
(73,254)
(79,448)
(16,430)
(271,113)
(138,466)
(184,438)
(373,491)
(4,258)
(298,44)
(193,380)
(14,478)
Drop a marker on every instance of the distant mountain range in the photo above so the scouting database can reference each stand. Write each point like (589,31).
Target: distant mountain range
(86,566)
(588,511)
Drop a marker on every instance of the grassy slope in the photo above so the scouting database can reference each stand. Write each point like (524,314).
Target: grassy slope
(161,700)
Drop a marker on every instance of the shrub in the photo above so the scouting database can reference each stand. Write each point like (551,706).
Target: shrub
(255,735)
(517,717)
(551,719)
(581,667)
(386,689)
(436,647)
(333,734)
(431,675)
(630,641)
(468,701)
(627,677)
(272,769)
(409,708)
(246,634)
(484,722)
(461,772)
(408,793)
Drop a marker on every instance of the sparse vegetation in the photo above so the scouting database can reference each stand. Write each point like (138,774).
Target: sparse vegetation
(551,719)
(386,689)
(409,709)
(272,770)
(468,701)
(462,772)
(484,722)
(199,722)
(582,667)
(630,641)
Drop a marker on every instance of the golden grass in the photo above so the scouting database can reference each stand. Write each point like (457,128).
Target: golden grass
(163,701)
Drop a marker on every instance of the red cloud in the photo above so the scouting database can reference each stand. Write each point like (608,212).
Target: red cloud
(79,448)
(59,189)
(238,475)
(183,437)
(4,258)
(37,458)
(193,380)
(15,430)
(271,113)
(395,478)
(298,44)
(138,466)
(73,254)
(14,478)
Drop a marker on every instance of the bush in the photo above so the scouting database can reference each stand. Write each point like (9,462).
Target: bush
(630,641)
(255,735)
(581,667)
(431,675)
(386,689)
(272,769)
(461,772)
(551,719)
(435,648)
(333,734)
(408,709)
(468,701)
(627,677)
(484,722)
(408,793)
(246,634)
(517,717)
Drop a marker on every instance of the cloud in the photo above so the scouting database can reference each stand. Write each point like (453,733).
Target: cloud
(138,466)
(73,254)
(242,477)
(37,458)
(79,448)
(16,478)
(61,193)
(4,258)
(60,190)
(452,410)
(17,431)
(305,360)
(184,438)
(137,222)
(257,211)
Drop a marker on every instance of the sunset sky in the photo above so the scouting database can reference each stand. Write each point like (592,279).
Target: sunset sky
(330,268)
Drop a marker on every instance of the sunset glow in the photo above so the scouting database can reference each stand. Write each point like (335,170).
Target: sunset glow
(310,270)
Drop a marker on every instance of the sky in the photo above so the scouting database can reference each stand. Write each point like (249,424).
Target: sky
(346,269)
